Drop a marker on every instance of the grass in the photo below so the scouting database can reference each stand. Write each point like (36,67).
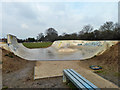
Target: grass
(37,44)
(4,88)
(101,72)
(9,55)
(71,85)
(117,74)
(98,71)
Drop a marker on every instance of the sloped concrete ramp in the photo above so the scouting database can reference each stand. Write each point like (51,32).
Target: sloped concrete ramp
(60,50)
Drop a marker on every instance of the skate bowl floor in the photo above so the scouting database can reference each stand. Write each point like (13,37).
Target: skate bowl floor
(60,50)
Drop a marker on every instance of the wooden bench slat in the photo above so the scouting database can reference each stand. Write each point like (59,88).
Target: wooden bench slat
(73,79)
(85,79)
(80,80)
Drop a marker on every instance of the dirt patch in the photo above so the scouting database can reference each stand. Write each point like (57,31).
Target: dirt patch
(109,61)
(11,62)
(18,73)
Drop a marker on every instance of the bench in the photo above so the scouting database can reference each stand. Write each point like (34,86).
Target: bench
(78,80)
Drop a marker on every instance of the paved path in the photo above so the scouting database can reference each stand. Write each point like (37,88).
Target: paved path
(45,69)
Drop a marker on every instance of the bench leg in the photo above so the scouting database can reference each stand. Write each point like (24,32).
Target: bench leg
(64,78)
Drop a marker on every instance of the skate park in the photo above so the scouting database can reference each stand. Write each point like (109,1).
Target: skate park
(64,44)
(56,57)
(60,50)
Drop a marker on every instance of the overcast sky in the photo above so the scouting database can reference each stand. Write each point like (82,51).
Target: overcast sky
(27,19)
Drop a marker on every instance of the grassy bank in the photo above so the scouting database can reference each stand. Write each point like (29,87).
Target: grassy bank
(37,44)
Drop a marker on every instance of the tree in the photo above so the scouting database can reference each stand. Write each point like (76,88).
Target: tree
(81,32)
(107,31)
(97,34)
(107,26)
(116,33)
(117,27)
(51,34)
(40,37)
(87,28)
(51,31)
(74,36)
(63,34)
(30,39)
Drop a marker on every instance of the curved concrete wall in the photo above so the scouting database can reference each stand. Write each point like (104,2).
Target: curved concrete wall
(61,50)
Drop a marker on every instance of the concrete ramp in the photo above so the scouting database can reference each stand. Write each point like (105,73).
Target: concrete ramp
(4,46)
(60,50)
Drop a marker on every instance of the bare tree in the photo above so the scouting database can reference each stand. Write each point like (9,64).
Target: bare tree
(51,34)
(63,34)
(87,28)
(117,27)
(107,26)
(51,31)
(81,32)
(40,35)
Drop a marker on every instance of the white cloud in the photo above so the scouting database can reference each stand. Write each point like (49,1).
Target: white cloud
(64,17)
(42,8)
(0,20)
(24,26)
(59,0)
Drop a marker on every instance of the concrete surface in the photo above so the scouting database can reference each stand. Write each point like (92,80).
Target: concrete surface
(60,50)
(45,69)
